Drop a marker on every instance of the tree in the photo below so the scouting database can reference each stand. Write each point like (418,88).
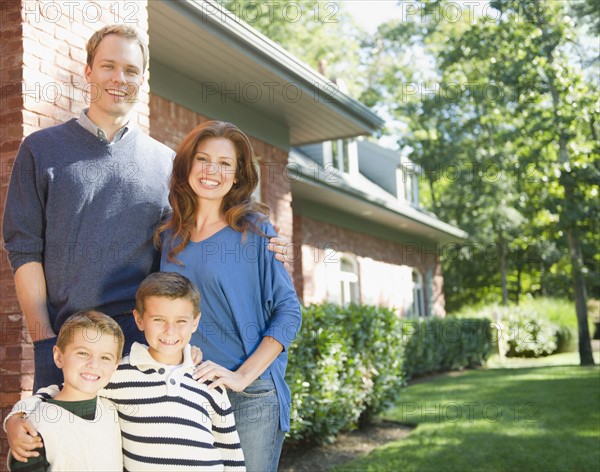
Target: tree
(540,130)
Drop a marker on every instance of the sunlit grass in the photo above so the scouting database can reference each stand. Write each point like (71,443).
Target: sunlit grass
(535,417)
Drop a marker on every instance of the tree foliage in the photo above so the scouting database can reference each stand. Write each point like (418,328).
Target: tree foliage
(506,128)
(499,106)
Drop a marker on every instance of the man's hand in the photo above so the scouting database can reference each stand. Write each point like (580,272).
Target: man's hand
(23,438)
(283,249)
(196,355)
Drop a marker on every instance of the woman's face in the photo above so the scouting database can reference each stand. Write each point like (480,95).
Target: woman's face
(213,171)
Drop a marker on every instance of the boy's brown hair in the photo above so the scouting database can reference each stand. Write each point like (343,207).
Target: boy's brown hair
(169,285)
(93,323)
(123,31)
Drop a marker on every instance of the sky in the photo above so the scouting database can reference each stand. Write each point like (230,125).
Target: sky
(370,13)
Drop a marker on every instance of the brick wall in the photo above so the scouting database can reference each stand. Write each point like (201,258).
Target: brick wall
(42,60)
(383,265)
(16,356)
(170,123)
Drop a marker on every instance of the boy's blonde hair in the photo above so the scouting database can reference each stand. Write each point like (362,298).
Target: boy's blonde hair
(124,31)
(94,323)
(169,285)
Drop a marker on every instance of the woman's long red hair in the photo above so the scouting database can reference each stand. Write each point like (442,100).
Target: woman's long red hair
(237,205)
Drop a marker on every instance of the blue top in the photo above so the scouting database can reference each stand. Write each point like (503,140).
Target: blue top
(246,294)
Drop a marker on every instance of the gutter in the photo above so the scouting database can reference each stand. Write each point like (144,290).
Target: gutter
(224,24)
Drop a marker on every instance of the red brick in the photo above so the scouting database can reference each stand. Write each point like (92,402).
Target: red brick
(16,367)
(14,102)
(10,15)
(27,350)
(12,43)
(10,60)
(11,132)
(11,383)
(10,146)
(7,401)
(13,75)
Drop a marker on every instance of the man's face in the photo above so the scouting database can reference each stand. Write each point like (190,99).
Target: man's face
(115,77)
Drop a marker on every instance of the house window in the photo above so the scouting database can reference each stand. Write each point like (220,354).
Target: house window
(348,280)
(339,155)
(342,154)
(418,308)
(408,184)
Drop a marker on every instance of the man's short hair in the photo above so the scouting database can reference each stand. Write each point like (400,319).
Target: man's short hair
(93,323)
(123,31)
(169,285)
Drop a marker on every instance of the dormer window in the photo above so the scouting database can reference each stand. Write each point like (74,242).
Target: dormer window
(341,154)
(407,185)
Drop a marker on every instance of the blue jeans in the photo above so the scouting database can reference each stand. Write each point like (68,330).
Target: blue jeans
(46,372)
(256,412)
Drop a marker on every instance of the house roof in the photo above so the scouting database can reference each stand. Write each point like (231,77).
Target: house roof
(379,163)
(362,200)
(222,60)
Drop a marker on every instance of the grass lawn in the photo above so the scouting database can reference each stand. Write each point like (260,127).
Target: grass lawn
(514,417)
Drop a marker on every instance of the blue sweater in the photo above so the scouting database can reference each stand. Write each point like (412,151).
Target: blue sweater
(86,210)
(246,294)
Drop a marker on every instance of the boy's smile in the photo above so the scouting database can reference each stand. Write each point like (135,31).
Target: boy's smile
(168,325)
(88,362)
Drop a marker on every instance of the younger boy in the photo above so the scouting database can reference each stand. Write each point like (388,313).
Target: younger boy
(169,421)
(80,430)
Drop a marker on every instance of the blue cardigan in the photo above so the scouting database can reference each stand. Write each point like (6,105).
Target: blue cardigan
(246,294)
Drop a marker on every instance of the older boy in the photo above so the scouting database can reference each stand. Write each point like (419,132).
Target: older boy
(169,421)
(79,429)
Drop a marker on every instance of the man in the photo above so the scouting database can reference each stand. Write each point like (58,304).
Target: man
(84,199)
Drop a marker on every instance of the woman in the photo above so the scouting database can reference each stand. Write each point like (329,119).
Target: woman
(217,237)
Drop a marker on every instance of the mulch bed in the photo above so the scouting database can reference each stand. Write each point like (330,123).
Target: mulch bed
(348,446)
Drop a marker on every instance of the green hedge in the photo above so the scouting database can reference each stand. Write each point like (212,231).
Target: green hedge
(527,326)
(349,363)
(442,344)
(345,364)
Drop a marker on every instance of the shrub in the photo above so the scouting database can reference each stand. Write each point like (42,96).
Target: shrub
(523,333)
(523,326)
(346,362)
(441,344)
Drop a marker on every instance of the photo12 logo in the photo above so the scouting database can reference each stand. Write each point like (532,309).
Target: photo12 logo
(82,12)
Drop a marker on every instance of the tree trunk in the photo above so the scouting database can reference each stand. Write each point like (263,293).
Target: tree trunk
(502,244)
(585,346)
(433,199)
(519,270)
